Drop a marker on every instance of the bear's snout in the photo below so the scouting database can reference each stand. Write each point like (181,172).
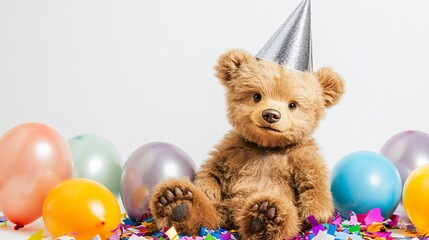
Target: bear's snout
(271,115)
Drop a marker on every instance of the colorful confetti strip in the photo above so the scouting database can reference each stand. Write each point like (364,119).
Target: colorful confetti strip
(356,227)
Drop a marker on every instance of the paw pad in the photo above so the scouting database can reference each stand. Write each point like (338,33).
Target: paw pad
(173,195)
(264,214)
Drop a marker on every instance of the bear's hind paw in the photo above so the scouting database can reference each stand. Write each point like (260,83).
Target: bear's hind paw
(268,218)
(264,217)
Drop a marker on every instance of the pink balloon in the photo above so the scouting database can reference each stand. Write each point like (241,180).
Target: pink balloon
(34,158)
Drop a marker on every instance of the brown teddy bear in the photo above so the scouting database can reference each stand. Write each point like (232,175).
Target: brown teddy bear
(266,176)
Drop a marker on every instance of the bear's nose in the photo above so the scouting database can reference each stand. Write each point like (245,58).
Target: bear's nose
(271,115)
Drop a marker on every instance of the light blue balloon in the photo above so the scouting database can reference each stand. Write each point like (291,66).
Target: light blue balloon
(96,158)
(365,180)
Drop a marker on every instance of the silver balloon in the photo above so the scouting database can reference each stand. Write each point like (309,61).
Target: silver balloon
(145,168)
(408,150)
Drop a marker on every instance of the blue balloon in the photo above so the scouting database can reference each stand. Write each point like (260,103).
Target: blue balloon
(365,180)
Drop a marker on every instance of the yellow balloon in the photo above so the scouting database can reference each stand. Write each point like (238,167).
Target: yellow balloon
(415,197)
(83,207)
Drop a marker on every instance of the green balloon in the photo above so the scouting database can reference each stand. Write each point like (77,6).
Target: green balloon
(94,157)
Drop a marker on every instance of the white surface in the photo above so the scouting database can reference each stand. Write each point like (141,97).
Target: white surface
(140,71)
(24,233)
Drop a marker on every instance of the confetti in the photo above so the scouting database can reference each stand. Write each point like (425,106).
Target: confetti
(375,227)
(342,236)
(134,237)
(316,226)
(393,220)
(4,224)
(356,227)
(374,215)
(172,234)
(210,237)
(355,237)
(337,219)
(323,235)
(352,218)
(361,218)
(36,236)
(115,236)
(331,230)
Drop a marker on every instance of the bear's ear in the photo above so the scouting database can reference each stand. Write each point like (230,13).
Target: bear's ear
(332,84)
(229,63)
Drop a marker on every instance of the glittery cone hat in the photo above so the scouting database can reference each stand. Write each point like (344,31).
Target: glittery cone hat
(290,46)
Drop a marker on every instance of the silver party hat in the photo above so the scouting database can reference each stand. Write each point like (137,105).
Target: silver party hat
(290,46)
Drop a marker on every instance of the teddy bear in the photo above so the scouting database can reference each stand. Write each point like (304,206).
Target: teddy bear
(266,176)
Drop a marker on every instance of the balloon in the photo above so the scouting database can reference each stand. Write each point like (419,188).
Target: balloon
(82,207)
(147,166)
(97,159)
(415,197)
(365,180)
(407,150)
(34,158)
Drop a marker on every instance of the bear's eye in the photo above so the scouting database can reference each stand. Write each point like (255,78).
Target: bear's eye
(292,106)
(257,97)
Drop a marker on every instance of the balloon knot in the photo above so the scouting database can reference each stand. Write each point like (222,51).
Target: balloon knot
(101,223)
(18,226)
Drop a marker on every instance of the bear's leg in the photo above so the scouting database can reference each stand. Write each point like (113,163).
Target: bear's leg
(269,217)
(180,204)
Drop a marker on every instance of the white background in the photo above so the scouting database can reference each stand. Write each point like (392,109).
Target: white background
(139,71)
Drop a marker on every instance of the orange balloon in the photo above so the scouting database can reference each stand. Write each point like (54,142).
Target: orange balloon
(83,207)
(415,197)
(34,158)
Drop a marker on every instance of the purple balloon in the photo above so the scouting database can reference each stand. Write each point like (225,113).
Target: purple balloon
(408,150)
(147,166)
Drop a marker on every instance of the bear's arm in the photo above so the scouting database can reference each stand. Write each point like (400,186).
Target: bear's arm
(311,179)
(209,178)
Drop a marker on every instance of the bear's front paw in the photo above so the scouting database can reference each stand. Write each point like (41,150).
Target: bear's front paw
(174,203)
(181,204)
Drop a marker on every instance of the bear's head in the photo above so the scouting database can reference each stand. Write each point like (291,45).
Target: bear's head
(273,106)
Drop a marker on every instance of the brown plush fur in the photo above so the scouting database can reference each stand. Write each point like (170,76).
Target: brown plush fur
(263,179)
